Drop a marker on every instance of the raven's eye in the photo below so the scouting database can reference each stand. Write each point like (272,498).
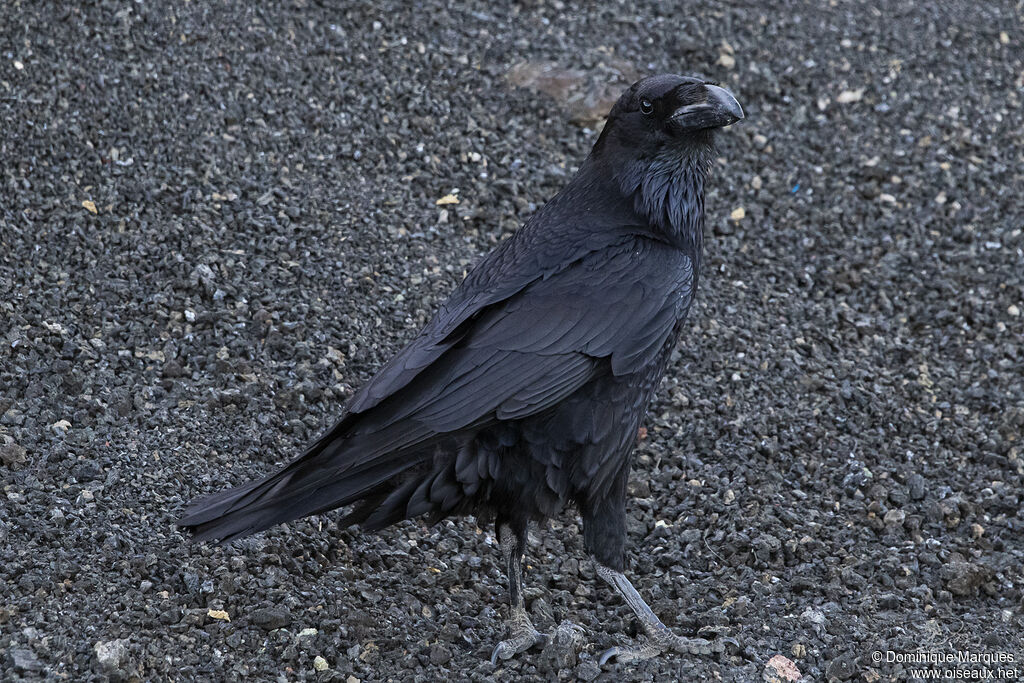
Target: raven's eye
(646,107)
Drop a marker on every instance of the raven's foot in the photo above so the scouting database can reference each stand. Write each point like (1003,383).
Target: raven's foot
(661,640)
(522,636)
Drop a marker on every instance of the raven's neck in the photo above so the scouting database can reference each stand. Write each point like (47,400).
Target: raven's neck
(662,198)
(663,194)
(669,192)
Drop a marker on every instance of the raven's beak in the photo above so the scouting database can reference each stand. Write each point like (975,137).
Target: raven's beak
(718,110)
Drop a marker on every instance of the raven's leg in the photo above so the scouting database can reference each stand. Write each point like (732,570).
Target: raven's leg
(522,634)
(604,535)
(659,637)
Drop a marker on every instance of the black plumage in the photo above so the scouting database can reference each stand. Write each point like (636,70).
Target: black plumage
(526,390)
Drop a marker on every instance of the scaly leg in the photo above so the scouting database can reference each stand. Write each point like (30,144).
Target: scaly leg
(604,535)
(522,634)
(659,637)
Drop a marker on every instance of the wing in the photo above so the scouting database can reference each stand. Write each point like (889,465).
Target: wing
(533,254)
(611,311)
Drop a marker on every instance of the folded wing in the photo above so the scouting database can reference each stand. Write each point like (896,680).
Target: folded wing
(487,358)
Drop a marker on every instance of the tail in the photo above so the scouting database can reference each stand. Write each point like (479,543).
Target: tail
(405,483)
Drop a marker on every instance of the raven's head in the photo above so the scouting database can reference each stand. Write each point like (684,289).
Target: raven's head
(657,145)
(668,111)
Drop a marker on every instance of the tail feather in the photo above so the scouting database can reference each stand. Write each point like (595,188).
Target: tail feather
(382,509)
(314,483)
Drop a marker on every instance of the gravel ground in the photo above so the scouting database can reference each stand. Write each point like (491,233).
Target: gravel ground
(216,220)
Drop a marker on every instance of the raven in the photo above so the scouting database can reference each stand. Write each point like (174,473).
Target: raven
(526,390)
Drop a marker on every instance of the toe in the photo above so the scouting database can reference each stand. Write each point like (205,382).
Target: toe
(654,646)
(624,655)
(507,649)
(611,653)
(500,651)
(692,646)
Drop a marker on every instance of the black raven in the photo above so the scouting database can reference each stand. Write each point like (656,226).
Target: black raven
(526,391)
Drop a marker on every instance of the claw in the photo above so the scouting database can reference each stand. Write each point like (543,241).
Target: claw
(521,642)
(611,653)
(729,642)
(624,655)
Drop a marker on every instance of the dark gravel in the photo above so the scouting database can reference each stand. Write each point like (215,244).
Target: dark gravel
(833,466)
